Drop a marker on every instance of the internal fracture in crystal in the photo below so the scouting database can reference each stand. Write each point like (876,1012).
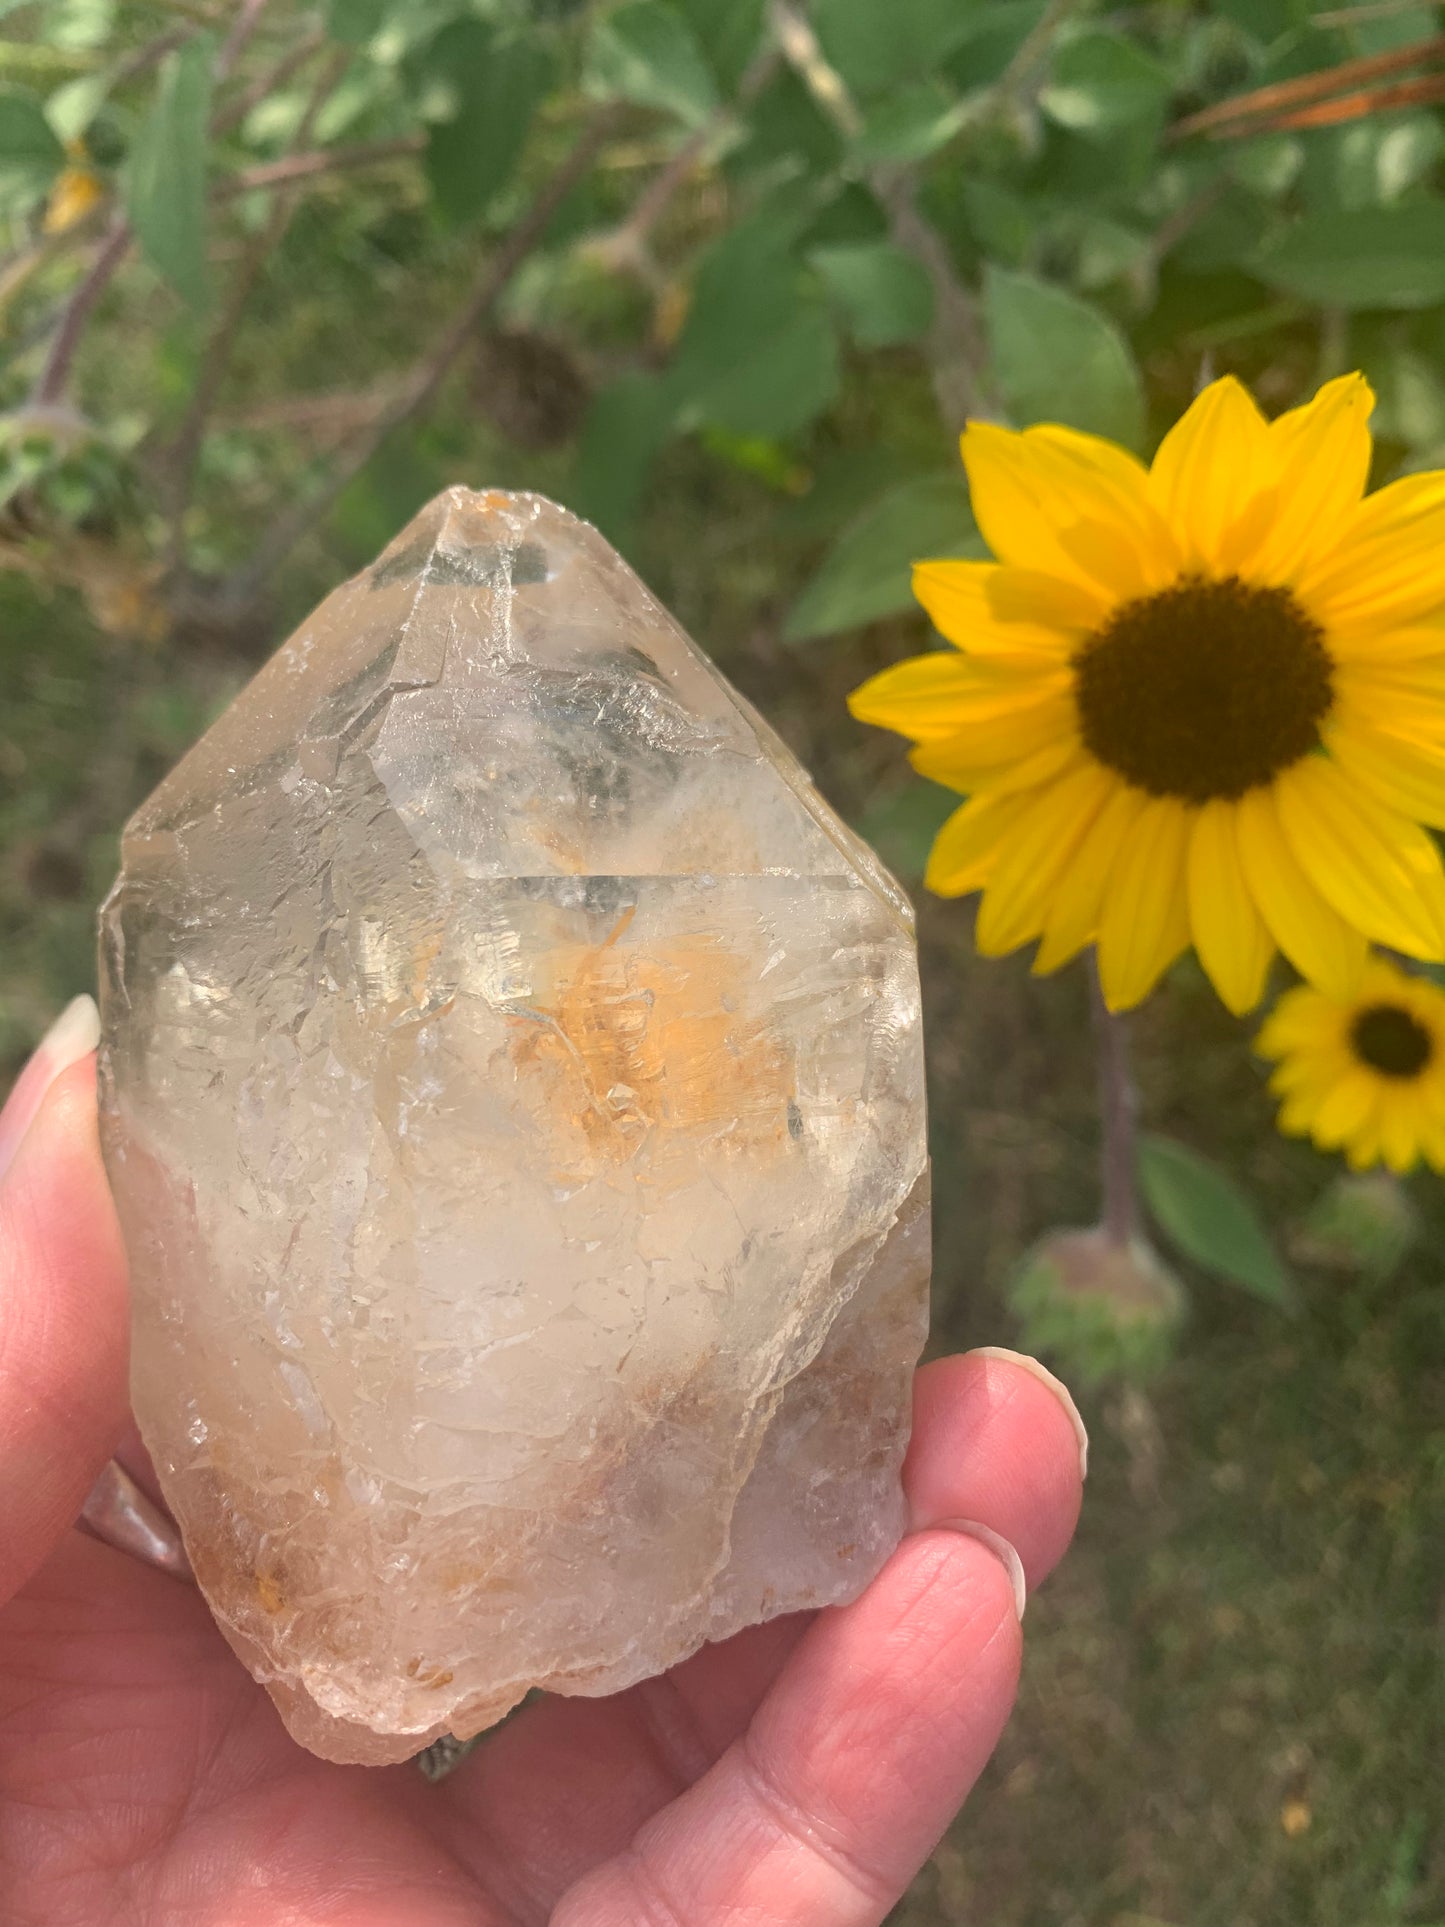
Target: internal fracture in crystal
(513,1094)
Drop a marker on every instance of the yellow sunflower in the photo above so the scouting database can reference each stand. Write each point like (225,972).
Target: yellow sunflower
(1202,702)
(1364,1074)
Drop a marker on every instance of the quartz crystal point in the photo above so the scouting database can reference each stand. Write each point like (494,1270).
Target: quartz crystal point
(513,1093)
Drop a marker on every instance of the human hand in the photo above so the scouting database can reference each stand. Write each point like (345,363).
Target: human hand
(799,1773)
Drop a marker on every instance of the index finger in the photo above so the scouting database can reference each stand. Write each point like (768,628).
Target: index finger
(63,1325)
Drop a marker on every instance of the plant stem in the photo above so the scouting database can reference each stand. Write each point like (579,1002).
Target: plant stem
(244,25)
(267,83)
(629,244)
(255,255)
(54,375)
(303,167)
(1118,1117)
(957,354)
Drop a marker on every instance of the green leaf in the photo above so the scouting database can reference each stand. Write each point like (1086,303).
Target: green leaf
(868,572)
(166,179)
(884,293)
(786,382)
(1101,84)
(875,45)
(30,154)
(993,35)
(728,35)
(901,827)
(910,124)
(626,426)
(846,219)
(1380,257)
(71,108)
(1059,359)
(1211,1220)
(1411,396)
(1004,223)
(497,85)
(757,355)
(786,126)
(647,53)
(355,22)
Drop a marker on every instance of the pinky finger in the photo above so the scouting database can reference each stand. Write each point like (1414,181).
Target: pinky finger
(857,1759)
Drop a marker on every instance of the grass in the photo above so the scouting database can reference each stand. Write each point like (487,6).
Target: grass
(1234,1702)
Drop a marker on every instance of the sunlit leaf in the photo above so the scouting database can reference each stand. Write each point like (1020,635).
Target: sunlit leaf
(868,572)
(757,354)
(873,45)
(901,826)
(71,108)
(647,52)
(910,124)
(1059,359)
(1101,83)
(1379,257)
(165,191)
(1205,1213)
(354,22)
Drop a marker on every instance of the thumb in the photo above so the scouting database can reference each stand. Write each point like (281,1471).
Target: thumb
(63,1317)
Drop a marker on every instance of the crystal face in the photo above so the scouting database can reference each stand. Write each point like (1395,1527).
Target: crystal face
(513,1093)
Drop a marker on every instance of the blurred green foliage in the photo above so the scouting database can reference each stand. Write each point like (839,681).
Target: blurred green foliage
(727,276)
(917,212)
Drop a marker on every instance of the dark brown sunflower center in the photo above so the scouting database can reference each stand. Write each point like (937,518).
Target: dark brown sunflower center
(1206,689)
(1391,1041)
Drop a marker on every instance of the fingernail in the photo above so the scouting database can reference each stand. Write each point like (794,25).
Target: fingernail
(999,1546)
(118,1512)
(74,1034)
(1056,1385)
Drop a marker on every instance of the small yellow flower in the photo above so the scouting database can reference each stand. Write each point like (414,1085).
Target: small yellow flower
(75,193)
(1365,1074)
(1202,702)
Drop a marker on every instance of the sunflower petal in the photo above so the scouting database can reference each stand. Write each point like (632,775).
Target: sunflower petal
(964,604)
(1026,595)
(1045,502)
(937,694)
(1403,772)
(1208,466)
(1398,1138)
(1321,453)
(1230,936)
(1405,685)
(1073,916)
(956,763)
(1342,1112)
(1317,940)
(1040,849)
(1387,569)
(1379,870)
(1106,459)
(966,847)
(1301,1018)
(1144,926)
